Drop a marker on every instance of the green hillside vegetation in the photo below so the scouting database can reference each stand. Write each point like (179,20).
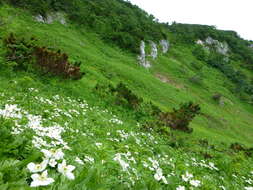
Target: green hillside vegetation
(111,117)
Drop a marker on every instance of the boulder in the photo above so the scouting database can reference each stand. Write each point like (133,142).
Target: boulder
(165,45)
(154,50)
(220,47)
(142,57)
(51,17)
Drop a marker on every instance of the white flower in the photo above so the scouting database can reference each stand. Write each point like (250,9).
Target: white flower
(52,163)
(187,176)
(248,188)
(159,174)
(123,164)
(180,187)
(66,170)
(37,167)
(89,159)
(41,180)
(195,183)
(98,144)
(57,154)
(79,161)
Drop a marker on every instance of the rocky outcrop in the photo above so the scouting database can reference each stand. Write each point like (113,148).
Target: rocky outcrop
(220,47)
(165,46)
(51,17)
(154,50)
(143,57)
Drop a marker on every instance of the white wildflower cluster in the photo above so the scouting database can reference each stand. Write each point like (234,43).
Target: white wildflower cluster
(158,171)
(248,188)
(124,135)
(116,121)
(188,177)
(180,187)
(125,160)
(203,163)
(46,132)
(52,159)
(45,100)
(11,111)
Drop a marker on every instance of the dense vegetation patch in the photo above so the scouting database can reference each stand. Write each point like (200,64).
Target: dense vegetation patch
(190,33)
(24,53)
(225,65)
(116,21)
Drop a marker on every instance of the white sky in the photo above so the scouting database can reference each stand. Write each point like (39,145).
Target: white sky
(234,15)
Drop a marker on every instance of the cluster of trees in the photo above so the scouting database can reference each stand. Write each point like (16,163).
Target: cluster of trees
(116,21)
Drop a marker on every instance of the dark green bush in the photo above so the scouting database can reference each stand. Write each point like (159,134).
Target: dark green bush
(196,79)
(26,54)
(125,96)
(116,21)
(180,118)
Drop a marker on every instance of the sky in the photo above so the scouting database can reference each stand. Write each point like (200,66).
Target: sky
(234,15)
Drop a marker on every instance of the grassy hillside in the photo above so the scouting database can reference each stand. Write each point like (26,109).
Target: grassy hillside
(91,126)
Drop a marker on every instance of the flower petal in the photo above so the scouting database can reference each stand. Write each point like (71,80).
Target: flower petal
(70,175)
(31,166)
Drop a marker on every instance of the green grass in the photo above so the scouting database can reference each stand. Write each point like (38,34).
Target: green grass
(105,64)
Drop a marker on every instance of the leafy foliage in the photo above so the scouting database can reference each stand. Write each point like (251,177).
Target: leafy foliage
(189,33)
(19,51)
(181,118)
(236,76)
(116,21)
(56,62)
(25,53)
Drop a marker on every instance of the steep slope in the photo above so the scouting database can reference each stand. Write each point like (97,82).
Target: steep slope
(125,154)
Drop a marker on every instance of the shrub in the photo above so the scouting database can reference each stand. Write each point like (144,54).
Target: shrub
(196,79)
(196,65)
(181,118)
(125,96)
(26,54)
(56,63)
(237,147)
(19,51)
(120,95)
(217,97)
(200,53)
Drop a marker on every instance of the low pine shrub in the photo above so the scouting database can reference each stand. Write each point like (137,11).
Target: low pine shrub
(180,118)
(56,63)
(26,54)
(125,96)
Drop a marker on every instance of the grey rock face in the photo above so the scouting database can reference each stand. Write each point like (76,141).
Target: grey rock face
(142,57)
(200,42)
(165,46)
(39,18)
(51,17)
(221,47)
(154,50)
